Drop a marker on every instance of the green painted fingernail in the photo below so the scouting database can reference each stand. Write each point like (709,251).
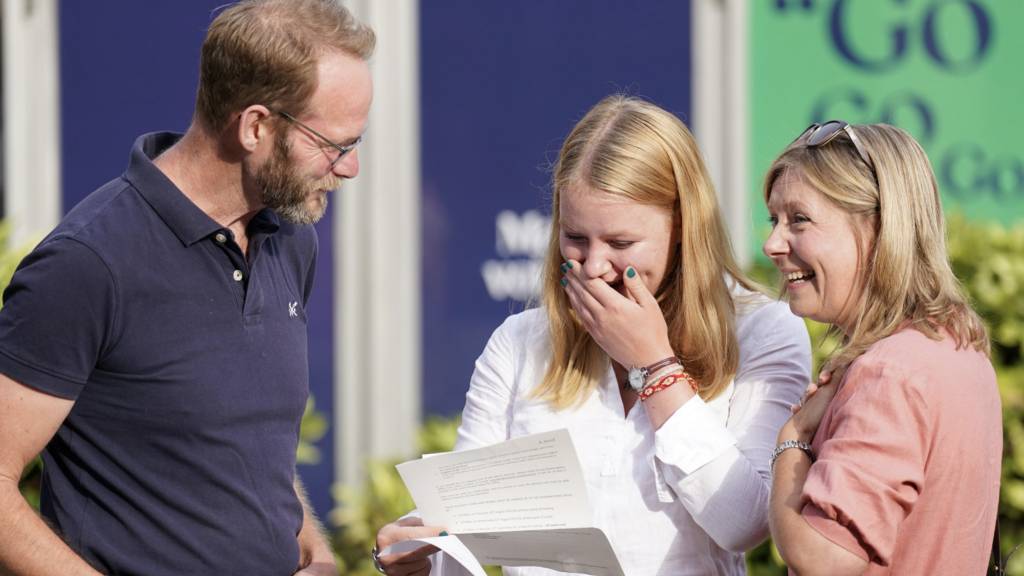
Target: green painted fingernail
(565,268)
(564,282)
(569,264)
(630,272)
(443,533)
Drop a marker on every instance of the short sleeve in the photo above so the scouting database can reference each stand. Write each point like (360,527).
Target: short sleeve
(870,467)
(58,318)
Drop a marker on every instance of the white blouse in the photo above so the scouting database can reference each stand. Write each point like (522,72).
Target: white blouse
(688,498)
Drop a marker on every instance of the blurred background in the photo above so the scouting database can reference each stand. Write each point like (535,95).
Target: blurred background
(441,236)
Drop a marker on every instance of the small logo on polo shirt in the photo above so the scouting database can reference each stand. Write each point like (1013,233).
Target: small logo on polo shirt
(293,309)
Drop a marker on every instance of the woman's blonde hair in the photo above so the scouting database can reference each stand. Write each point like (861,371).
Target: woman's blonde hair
(630,149)
(907,280)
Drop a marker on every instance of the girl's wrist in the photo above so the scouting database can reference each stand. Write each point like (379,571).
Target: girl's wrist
(659,353)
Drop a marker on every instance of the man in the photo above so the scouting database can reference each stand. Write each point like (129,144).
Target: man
(155,342)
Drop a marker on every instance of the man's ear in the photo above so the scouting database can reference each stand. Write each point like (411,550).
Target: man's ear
(254,126)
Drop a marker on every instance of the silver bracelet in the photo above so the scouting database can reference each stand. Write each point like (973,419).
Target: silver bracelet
(783,446)
(375,554)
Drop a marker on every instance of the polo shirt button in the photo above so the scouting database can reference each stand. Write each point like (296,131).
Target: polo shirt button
(220,237)
(237,275)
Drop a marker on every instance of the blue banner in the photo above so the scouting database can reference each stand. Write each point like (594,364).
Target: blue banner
(503,83)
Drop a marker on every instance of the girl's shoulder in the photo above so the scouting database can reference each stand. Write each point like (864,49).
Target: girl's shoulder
(524,331)
(759,317)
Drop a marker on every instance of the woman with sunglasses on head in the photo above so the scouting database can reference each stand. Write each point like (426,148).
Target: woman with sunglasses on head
(892,464)
(672,373)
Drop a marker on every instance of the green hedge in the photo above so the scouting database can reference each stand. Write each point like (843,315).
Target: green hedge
(990,261)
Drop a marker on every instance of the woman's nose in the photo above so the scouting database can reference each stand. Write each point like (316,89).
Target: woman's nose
(775,245)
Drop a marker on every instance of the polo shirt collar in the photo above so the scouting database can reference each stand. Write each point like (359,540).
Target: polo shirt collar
(182,216)
(266,221)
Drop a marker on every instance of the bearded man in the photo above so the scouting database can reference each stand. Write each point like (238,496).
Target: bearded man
(153,346)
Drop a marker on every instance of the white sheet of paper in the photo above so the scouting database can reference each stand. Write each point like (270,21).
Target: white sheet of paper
(451,545)
(522,484)
(577,550)
(522,502)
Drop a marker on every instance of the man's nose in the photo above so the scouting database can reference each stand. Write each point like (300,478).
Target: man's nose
(348,165)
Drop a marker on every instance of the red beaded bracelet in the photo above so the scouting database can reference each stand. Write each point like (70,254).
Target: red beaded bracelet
(665,382)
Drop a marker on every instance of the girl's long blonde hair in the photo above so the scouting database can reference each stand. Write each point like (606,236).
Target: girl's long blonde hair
(630,149)
(907,278)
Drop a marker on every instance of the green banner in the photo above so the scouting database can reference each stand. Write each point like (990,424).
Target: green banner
(947,71)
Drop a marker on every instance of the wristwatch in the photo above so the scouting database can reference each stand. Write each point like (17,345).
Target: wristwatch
(637,377)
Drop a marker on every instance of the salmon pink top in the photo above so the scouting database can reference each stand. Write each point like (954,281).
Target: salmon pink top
(909,455)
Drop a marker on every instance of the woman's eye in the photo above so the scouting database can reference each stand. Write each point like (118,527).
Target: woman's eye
(800,219)
(773,220)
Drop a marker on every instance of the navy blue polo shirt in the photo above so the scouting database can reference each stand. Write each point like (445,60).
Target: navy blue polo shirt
(188,366)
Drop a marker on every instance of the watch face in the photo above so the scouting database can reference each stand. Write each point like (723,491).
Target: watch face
(636,379)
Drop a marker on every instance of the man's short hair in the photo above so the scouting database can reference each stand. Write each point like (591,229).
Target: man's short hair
(266,52)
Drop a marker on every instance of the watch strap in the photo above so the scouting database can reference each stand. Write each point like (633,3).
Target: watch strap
(648,370)
(638,376)
(783,446)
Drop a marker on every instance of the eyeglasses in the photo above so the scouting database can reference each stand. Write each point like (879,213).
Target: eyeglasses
(341,150)
(820,134)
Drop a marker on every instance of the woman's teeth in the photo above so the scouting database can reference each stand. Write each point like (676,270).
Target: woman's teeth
(800,275)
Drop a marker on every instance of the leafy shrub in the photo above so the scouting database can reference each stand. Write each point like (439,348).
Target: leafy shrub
(314,426)
(363,510)
(989,259)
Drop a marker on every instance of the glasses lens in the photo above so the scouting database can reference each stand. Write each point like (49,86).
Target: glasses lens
(825,132)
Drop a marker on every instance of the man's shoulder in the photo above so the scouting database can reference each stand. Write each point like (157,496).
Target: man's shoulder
(103,217)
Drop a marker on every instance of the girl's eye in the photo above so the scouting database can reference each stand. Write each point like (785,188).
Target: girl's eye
(620,244)
(574,237)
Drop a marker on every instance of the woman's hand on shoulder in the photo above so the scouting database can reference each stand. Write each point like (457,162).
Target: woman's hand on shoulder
(413,562)
(629,327)
(807,415)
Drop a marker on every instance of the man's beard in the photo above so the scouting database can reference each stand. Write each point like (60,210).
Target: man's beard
(287,193)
